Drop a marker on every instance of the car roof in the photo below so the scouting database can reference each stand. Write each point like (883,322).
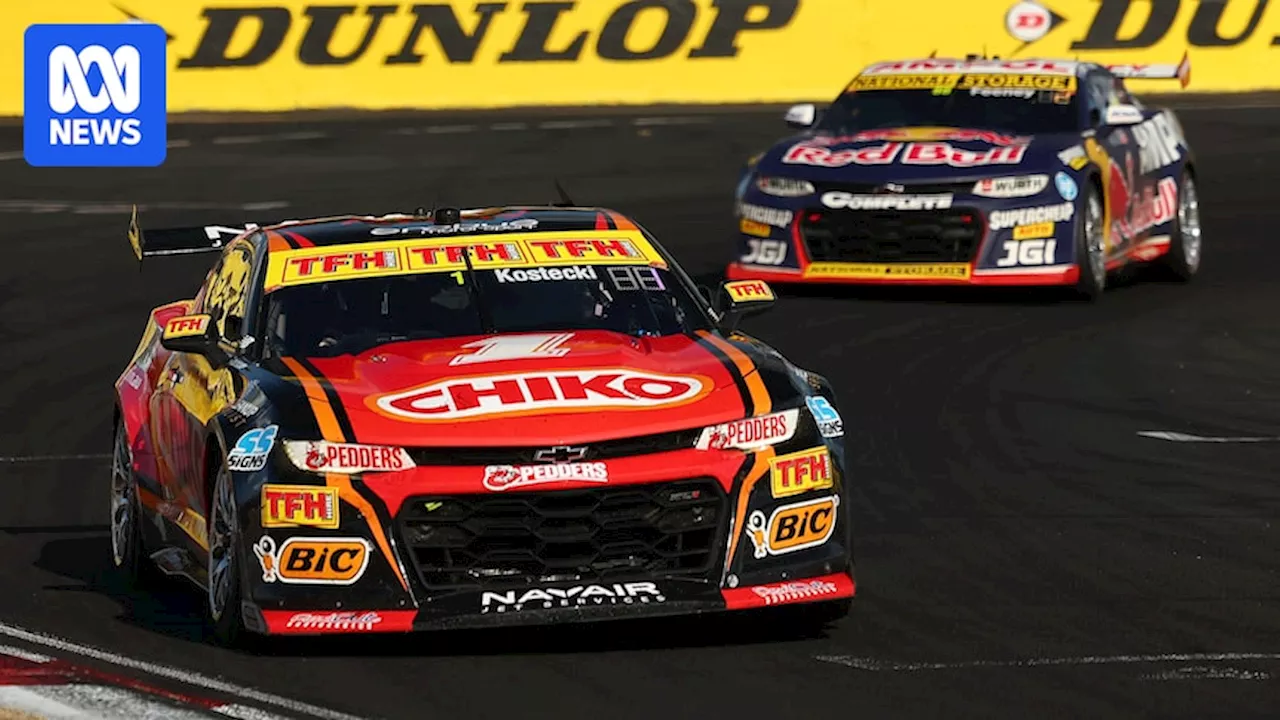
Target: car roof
(993,66)
(474,222)
(508,238)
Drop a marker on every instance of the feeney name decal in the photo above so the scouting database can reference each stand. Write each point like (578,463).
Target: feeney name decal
(800,472)
(440,255)
(186,326)
(295,505)
(543,392)
(578,596)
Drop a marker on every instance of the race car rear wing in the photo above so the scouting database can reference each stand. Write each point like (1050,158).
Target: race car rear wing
(180,241)
(1180,72)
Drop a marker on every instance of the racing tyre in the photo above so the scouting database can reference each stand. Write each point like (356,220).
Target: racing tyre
(224,563)
(1183,260)
(128,553)
(1091,247)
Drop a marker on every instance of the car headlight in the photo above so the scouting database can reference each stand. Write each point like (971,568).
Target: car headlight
(784,187)
(1013,186)
(750,433)
(328,457)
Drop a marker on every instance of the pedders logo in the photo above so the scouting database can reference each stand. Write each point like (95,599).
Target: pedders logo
(750,433)
(541,392)
(505,477)
(322,456)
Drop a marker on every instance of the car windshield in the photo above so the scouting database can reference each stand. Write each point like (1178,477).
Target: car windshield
(351,316)
(1014,111)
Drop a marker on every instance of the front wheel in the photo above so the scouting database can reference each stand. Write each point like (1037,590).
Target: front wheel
(224,563)
(1183,260)
(1091,247)
(128,553)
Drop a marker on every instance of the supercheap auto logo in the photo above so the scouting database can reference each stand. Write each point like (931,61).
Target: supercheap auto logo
(94,95)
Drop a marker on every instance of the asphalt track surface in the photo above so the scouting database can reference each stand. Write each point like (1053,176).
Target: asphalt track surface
(1020,548)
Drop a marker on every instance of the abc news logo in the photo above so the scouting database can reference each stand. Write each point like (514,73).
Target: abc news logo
(69,90)
(94,95)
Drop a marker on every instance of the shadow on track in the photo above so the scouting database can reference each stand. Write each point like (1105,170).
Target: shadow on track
(176,609)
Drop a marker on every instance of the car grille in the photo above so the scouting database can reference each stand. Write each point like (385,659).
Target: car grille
(607,450)
(879,236)
(617,534)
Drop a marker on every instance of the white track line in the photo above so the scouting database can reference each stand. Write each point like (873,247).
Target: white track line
(1184,437)
(183,676)
(53,458)
(874,665)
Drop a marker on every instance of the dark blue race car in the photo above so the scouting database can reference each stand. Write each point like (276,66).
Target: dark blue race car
(977,172)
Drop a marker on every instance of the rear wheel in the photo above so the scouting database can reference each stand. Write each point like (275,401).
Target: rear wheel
(1091,247)
(128,553)
(1183,260)
(224,563)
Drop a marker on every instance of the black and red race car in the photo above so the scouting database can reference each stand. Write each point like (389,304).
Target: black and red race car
(974,172)
(464,418)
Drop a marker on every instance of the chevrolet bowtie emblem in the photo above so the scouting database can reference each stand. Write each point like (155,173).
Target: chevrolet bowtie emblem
(560,454)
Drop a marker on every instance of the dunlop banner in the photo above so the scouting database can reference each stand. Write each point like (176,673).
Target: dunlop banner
(268,55)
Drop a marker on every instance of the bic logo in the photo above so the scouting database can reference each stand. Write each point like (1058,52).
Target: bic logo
(94,95)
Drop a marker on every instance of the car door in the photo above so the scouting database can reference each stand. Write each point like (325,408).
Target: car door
(193,391)
(1121,177)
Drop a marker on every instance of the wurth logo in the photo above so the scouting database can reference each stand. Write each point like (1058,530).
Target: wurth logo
(547,392)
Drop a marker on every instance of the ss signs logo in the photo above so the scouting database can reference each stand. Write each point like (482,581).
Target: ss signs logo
(94,95)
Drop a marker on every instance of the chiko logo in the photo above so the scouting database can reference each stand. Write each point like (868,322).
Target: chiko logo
(577,596)
(506,477)
(794,591)
(750,433)
(354,621)
(251,450)
(545,392)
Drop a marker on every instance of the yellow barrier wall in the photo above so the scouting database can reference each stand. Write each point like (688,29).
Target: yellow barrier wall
(290,54)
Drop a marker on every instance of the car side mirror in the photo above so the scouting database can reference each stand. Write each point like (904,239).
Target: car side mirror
(802,116)
(1118,115)
(195,334)
(742,298)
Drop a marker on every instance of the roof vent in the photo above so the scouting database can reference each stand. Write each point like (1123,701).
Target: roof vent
(447,216)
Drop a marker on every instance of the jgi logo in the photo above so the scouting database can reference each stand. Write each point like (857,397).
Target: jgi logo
(94,95)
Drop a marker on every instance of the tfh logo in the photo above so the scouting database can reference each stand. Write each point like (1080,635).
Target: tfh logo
(94,95)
